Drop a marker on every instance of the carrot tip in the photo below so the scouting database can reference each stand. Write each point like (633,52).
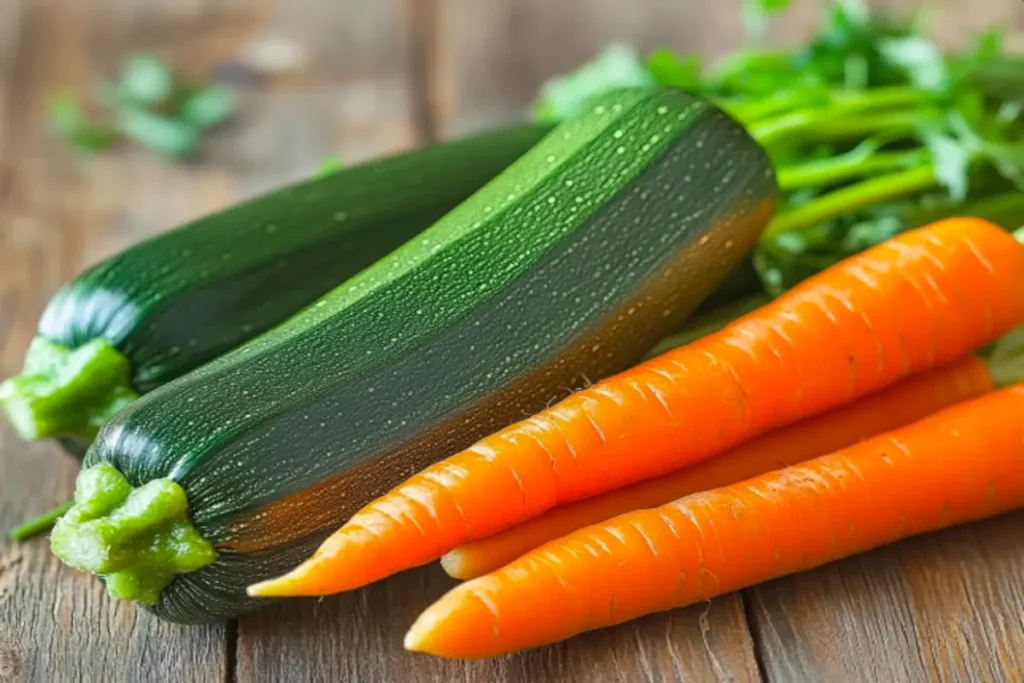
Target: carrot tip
(413,641)
(267,589)
(418,638)
(293,584)
(454,565)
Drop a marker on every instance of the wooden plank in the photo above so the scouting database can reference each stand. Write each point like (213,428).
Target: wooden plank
(57,625)
(57,214)
(498,52)
(358,637)
(943,607)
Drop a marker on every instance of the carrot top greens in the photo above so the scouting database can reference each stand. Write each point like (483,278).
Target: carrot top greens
(872,128)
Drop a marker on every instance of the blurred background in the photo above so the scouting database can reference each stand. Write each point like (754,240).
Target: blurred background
(311,79)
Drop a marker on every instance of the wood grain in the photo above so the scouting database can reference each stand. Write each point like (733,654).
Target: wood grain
(358,637)
(354,78)
(943,607)
(497,52)
(56,215)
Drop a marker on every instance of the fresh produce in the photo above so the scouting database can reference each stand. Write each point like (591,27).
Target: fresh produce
(569,265)
(872,128)
(910,400)
(961,464)
(167,305)
(922,299)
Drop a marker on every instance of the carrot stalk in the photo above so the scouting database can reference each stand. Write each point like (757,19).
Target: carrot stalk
(958,465)
(917,301)
(910,400)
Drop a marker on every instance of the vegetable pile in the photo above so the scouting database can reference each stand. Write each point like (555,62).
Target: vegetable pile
(325,386)
(528,286)
(873,130)
(917,301)
(899,319)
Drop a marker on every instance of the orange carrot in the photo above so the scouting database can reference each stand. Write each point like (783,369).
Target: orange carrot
(961,464)
(899,405)
(919,300)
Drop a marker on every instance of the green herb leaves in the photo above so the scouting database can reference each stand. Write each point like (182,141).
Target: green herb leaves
(870,126)
(617,67)
(149,105)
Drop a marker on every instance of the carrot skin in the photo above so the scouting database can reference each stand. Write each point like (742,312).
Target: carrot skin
(921,299)
(961,464)
(908,401)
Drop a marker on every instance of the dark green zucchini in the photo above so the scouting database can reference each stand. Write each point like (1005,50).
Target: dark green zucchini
(566,268)
(167,305)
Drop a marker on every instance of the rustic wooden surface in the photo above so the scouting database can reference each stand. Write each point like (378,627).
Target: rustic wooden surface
(366,78)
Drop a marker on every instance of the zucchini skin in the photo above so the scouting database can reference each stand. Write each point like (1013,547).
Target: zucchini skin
(566,268)
(182,298)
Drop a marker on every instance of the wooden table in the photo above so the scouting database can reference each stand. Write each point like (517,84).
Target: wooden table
(367,77)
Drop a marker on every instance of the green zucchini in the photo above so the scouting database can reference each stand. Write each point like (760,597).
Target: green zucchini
(169,304)
(566,268)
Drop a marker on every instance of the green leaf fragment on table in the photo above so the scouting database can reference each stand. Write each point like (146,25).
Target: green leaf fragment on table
(618,66)
(69,122)
(208,107)
(149,105)
(145,80)
(171,137)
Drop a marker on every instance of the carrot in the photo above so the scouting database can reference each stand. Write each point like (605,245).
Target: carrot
(921,299)
(961,464)
(899,405)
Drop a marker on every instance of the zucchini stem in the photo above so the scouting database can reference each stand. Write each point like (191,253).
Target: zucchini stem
(63,391)
(136,539)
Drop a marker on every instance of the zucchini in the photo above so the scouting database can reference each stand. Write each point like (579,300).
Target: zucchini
(169,304)
(566,268)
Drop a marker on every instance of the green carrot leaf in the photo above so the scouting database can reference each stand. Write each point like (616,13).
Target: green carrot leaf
(68,121)
(146,80)
(66,116)
(171,137)
(756,14)
(1006,358)
(674,71)
(920,58)
(618,66)
(952,162)
(208,107)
